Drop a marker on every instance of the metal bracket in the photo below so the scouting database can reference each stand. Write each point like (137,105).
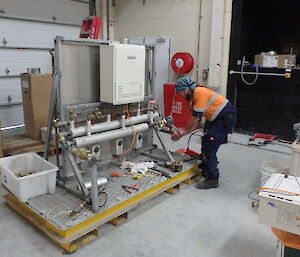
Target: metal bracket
(7,71)
(9,98)
(77,174)
(163,145)
(94,189)
(4,41)
(2,11)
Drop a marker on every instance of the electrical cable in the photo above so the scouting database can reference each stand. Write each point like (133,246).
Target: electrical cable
(242,74)
(189,139)
(278,190)
(67,211)
(104,193)
(134,132)
(251,198)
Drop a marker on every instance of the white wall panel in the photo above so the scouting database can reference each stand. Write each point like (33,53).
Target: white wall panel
(176,19)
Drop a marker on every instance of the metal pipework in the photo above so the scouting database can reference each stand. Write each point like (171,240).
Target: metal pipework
(109,125)
(72,116)
(82,153)
(101,181)
(109,135)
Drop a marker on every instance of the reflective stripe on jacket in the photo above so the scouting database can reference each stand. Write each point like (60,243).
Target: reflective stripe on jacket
(208,102)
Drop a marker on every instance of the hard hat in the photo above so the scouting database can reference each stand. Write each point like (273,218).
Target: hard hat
(185,83)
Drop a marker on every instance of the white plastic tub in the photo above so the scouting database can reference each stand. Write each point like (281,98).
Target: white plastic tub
(43,180)
(270,167)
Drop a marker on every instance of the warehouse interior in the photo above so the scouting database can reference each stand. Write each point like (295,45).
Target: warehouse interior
(149,128)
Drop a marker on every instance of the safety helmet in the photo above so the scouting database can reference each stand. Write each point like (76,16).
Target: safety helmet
(185,83)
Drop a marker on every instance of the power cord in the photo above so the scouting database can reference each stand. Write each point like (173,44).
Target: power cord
(242,74)
(188,144)
(134,132)
(251,198)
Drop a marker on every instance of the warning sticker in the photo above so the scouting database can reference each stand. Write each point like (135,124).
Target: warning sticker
(25,84)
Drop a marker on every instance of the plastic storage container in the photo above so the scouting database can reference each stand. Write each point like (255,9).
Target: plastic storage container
(270,167)
(41,181)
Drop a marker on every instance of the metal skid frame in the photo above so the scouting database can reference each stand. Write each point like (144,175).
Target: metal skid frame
(76,236)
(58,107)
(80,234)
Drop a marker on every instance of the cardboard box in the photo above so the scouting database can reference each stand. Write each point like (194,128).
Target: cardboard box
(36,93)
(278,61)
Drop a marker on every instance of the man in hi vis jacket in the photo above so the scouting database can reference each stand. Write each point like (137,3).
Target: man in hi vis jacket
(220,117)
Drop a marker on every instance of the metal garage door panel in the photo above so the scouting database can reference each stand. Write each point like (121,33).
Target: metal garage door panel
(64,10)
(11,115)
(20,33)
(18,61)
(24,34)
(10,88)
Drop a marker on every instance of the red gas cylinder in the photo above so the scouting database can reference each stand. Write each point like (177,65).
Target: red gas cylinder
(181,112)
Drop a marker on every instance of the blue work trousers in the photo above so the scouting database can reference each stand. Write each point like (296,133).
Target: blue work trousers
(215,134)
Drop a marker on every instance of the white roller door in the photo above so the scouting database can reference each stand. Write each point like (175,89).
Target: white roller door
(22,33)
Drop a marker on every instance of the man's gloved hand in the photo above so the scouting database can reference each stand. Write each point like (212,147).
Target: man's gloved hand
(176,135)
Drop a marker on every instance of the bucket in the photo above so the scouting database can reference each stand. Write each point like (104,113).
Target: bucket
(270,167)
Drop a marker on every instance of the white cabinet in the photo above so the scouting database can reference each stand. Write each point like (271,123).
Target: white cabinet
(122,73)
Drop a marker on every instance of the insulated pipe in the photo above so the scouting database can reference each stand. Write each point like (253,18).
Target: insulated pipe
(88,127)
(109,125)
(109,135)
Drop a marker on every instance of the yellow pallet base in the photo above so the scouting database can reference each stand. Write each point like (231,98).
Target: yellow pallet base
(78,235)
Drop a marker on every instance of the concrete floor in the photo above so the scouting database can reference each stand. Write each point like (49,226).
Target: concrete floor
(213,223)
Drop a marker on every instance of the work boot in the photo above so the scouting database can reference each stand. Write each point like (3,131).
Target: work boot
(207,184)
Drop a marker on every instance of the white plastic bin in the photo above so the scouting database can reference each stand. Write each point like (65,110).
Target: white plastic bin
(43,180)
(270,167)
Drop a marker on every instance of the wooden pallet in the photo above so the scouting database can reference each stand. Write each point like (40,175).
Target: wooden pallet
(81,234)
(22,144)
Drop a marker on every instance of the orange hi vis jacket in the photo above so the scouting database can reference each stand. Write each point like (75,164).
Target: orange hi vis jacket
(207,102)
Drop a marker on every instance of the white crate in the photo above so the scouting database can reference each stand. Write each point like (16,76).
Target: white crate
(43,181)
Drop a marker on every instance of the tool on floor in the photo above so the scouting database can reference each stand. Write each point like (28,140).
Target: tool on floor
(138,175)
(174,165)
(116,174)
(162,172)
(256,139)
(77,209)
(189,152)
(155,172)
(127,188)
